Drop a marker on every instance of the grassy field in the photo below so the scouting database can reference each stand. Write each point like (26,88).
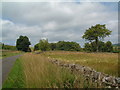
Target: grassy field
(102,62)
(7,53)
(35,71)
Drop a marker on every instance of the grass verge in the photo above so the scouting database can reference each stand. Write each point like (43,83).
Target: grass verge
(16,76)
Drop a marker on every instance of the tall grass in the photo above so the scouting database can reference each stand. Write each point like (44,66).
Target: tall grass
(35,71)
(40,73)
(102,62)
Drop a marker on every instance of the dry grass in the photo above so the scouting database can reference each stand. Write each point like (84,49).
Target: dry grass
(40,73)
(102,62)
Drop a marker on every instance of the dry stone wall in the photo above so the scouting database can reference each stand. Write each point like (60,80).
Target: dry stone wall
(95,76)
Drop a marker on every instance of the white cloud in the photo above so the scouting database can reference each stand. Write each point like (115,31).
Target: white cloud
(50,26)
(59,21)
(60,1)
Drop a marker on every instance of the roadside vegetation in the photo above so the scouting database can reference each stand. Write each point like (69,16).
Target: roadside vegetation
(15,78)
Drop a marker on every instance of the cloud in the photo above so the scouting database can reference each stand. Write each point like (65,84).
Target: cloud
(59,21)
(52,1)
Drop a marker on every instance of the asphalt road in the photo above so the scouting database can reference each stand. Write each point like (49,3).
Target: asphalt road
(7,64)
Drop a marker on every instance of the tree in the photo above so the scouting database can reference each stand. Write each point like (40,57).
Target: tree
(96,33)
(68,46)
(36,47)
(44,45)
(1,45)
(23,43)
(102,47)
(108,46)
(88,47)
(53,46)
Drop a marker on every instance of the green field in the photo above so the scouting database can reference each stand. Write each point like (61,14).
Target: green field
(8,53)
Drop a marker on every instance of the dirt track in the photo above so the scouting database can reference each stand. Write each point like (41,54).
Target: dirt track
(7,64)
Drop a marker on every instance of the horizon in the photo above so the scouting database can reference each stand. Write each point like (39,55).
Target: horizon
(58,41)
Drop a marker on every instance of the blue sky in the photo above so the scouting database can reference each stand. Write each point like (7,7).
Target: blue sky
(56,20)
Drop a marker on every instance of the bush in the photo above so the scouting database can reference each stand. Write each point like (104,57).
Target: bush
(44,45)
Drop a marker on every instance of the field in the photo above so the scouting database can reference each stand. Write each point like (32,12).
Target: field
(7,53)
(101,62)
(35,71)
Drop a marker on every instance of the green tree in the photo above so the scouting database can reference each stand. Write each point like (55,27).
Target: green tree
(36,47)
(53,46)
(1,45)
(101,46)
(96,33)
(23,43)
(108,46)
(44,45)
(68,46)
(61,45)
(88,47)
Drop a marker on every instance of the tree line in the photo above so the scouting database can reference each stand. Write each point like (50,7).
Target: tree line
(102,47)
(94,35)
(44,45)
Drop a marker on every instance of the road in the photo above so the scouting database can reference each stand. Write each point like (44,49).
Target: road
(7,64)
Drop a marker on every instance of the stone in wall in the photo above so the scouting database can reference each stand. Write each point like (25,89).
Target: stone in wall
(91,74)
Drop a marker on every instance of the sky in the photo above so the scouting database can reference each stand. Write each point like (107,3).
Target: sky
(56,21)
